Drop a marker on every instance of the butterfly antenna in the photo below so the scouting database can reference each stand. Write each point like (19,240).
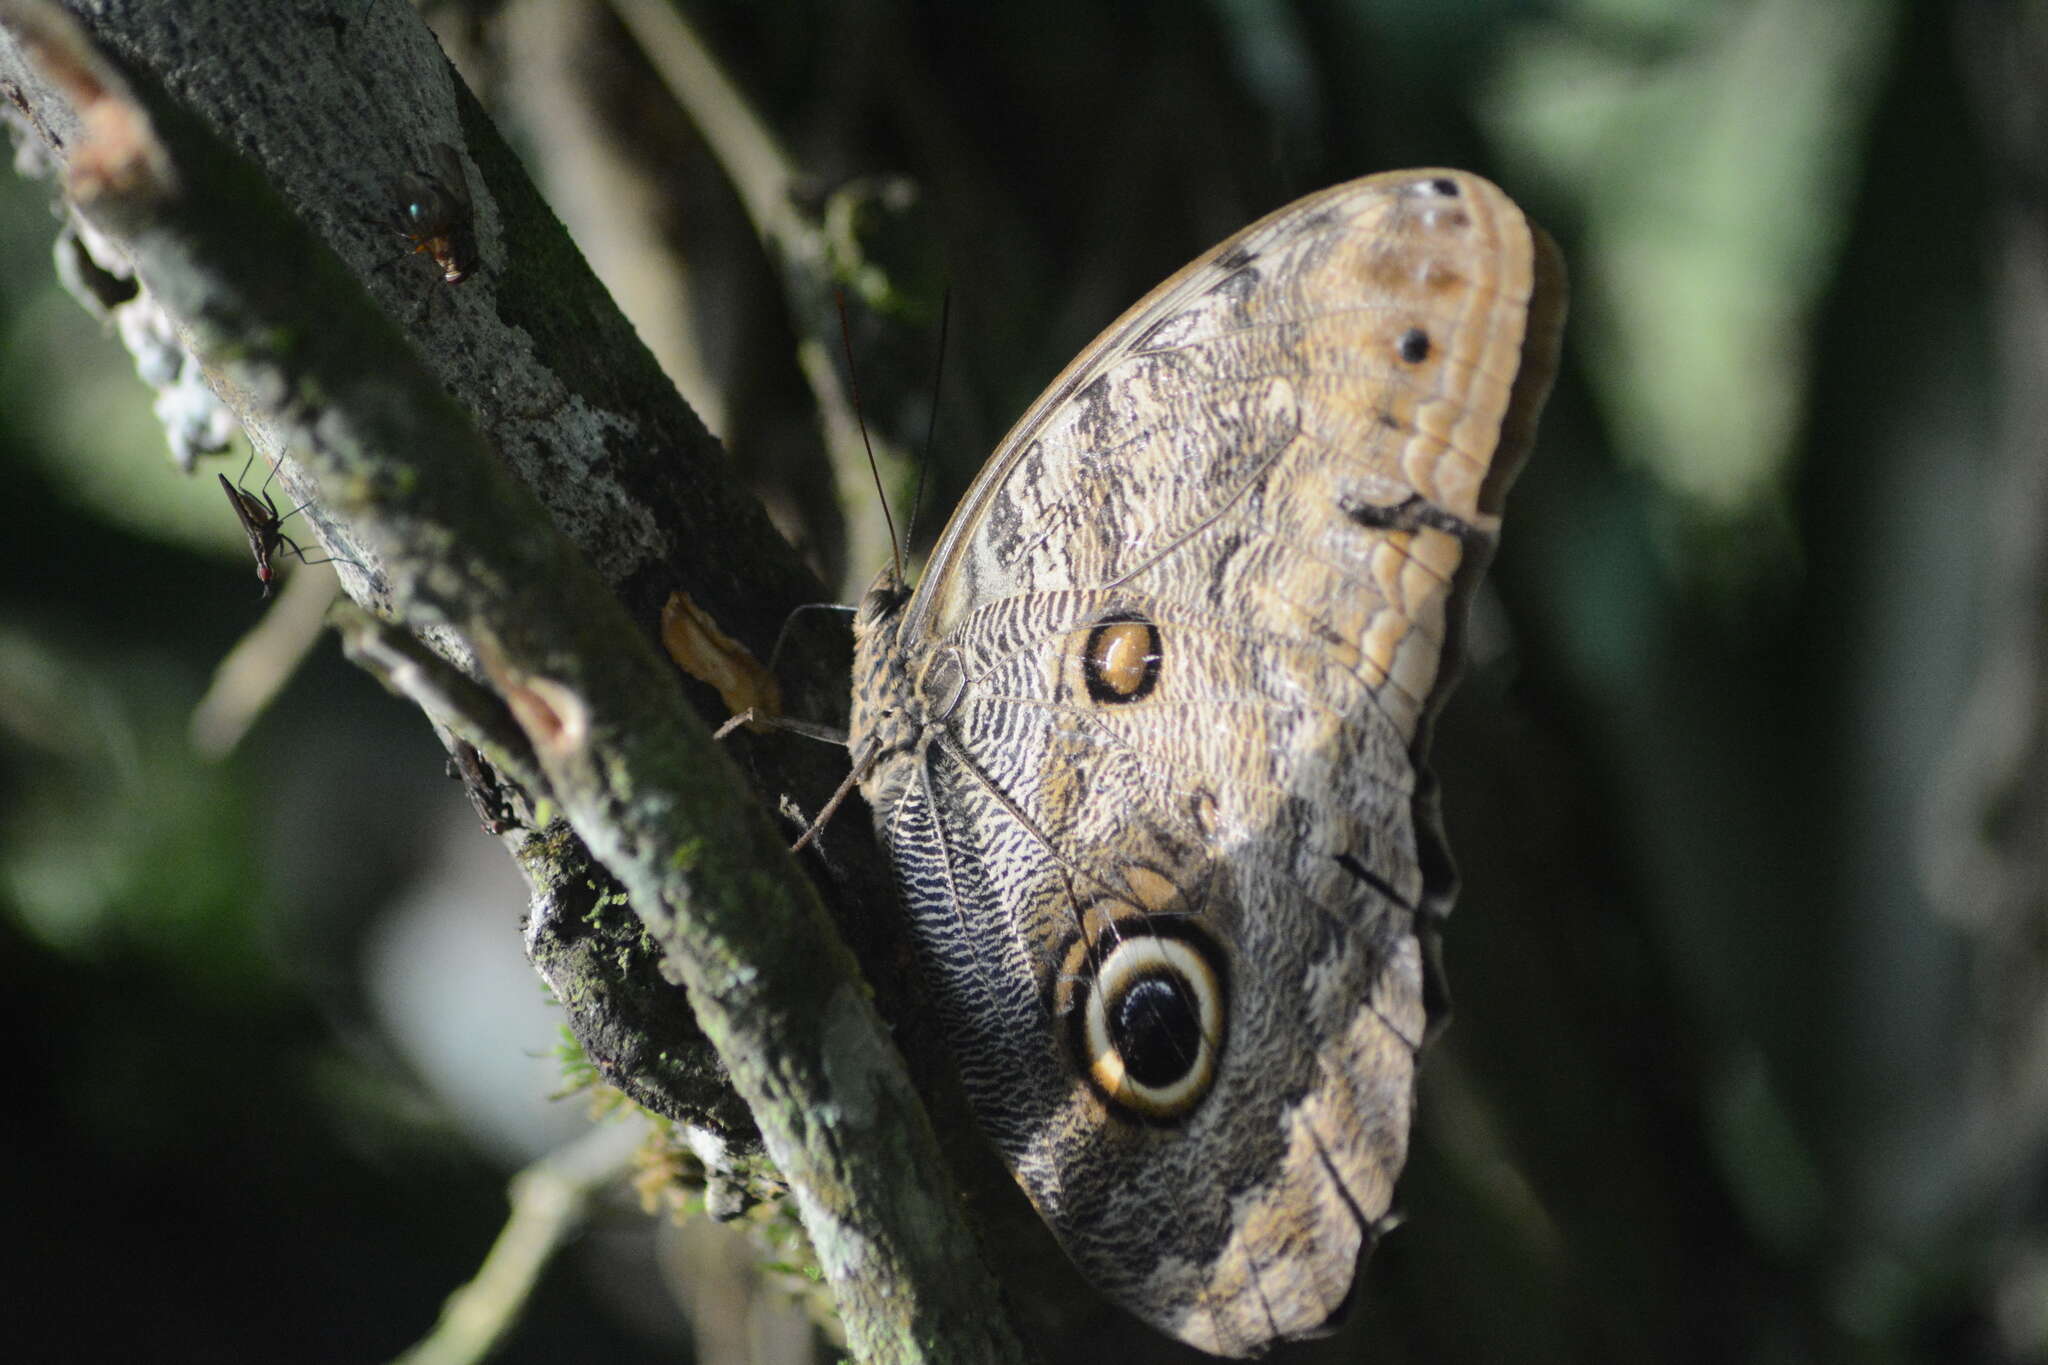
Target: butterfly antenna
(931,429)
(853,385)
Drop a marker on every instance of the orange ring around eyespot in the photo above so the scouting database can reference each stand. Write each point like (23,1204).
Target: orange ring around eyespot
(1137,959)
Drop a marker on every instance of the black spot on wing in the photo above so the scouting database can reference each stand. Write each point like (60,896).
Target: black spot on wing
(1092,401)
(1235,259)
(1219,567)
(1370,878)
(1410,514)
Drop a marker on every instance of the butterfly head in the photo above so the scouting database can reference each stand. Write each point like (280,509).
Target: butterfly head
(881,605)
(881,690)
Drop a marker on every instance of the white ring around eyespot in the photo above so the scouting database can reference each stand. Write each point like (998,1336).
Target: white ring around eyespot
(1145,955)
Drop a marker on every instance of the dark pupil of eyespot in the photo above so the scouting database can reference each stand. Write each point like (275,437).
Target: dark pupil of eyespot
(1157,1030)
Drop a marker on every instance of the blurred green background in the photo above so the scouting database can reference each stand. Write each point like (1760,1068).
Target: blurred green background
(1750,1060)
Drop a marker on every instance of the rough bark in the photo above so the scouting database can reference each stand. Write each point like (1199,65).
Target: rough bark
(515,483)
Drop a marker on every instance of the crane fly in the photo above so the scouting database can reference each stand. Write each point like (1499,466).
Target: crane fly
(264,526)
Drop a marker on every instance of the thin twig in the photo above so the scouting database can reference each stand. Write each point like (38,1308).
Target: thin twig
(767,180)
(551,1200)
(252,673)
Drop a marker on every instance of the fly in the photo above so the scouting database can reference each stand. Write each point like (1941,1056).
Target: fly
(264,526)
(434,212)
(486,793)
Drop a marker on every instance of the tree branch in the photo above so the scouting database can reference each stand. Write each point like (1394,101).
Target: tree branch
(424,472)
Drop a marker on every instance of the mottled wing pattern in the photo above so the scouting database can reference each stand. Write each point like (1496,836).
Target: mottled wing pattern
(1148,740)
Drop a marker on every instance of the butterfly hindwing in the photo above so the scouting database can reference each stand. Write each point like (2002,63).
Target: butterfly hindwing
(1148,740)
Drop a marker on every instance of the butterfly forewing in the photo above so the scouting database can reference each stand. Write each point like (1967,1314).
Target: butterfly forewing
(1151,731)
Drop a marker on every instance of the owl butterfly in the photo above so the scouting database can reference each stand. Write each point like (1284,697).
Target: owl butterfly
(1146,746)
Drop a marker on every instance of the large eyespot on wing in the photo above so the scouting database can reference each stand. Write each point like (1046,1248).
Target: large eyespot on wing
(1146,1000)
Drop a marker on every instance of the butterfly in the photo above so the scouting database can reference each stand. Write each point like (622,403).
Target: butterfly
(1147,744)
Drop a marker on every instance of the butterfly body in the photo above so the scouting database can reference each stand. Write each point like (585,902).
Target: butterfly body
(1147,742)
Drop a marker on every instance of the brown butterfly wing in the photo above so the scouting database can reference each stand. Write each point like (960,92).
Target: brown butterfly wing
(1151,739)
